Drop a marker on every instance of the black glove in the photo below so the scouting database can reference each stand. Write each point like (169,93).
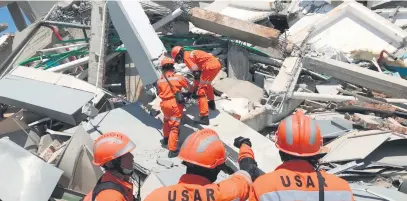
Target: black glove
(194,94)
(240,140)
(197,75)
(187,95)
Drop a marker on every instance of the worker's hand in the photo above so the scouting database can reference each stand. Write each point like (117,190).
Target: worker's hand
(240,140)
(194,94)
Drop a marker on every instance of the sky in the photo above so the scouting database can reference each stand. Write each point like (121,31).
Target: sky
(5,17)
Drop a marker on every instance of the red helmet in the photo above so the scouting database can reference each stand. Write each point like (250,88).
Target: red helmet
(166,60)
(110,146)
(175,51)
(203,148)
(299,135)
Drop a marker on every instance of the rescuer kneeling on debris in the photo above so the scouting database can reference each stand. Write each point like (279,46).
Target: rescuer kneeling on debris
(112,152)
(205,67)
(169,90)
(298,178)
(204,155)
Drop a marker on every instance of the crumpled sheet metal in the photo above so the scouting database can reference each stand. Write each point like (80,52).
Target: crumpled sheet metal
(25,177)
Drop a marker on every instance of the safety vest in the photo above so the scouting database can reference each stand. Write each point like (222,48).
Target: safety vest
(193,188)
(177,81)
(297,181)
(106,182)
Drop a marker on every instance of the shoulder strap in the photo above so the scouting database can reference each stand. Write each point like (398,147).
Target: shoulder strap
(321,183)
(169,83)
(101,186)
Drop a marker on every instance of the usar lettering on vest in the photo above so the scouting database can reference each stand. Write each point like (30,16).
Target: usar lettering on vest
(299,181)
(184,195)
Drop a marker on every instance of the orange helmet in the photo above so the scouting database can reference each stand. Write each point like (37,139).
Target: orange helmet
(203,148)
(299,135)
(110,146)
(175,50)
(166,60)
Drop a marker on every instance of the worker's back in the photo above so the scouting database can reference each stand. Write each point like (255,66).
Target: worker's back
(298,181)
(193,187)
(201,58)
(110,188)
(177,82)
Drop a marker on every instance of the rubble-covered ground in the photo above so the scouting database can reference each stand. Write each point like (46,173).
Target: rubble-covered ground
(83,68)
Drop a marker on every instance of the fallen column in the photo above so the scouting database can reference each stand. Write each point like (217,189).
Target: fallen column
(235,28)
(353,74)
(138,35)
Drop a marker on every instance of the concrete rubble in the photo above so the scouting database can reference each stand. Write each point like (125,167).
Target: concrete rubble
(78,69)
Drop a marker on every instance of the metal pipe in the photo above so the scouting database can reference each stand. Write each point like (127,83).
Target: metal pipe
(64,24)
(167,19)
(265,60)
(81,61)
(69,65)
(14,55)
(68,46)
(321,97)
(59,37)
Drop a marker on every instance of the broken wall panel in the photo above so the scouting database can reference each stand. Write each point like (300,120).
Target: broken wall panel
(25,177)
(362,27)
(18,132)
(234,28)
(143,129)
(353,74)
(57,102)
(347,147)
(139,37)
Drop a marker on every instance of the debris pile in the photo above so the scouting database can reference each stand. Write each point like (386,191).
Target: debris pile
(83,68)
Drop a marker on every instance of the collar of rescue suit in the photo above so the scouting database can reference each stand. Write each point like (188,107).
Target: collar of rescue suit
(296,164)
(108,176)
(193,179)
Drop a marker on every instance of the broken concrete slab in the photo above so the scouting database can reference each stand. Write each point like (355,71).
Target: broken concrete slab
(235,28)
(50,149)
(150,184)
(73,151)
(363,25)
(398,15)
(24,172)
(43,98)
(265,151)
(19,132)
(239,89)
(287,77)
(335,127)
(353,74)
(139,37)
(369,192)
(329,87)
(347,147)
(143,129)
(238,63)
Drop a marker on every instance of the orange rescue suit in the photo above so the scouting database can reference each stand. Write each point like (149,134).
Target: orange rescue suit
(209,66)
(112,195)
(171,109)
(193,188)
(197,188)
(296,181)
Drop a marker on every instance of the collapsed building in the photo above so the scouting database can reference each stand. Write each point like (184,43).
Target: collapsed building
(83,68)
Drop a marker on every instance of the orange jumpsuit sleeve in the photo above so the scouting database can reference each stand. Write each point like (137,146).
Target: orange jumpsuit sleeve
(110,195)
(245,152)
(189,62)
(185,84)
(237,187)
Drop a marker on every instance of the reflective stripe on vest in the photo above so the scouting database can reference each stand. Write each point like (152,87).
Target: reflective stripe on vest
(169,79)
(173,119)
(204,82)
(295,195)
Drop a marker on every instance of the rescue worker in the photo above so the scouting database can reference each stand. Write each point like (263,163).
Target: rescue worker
(112,152)
(299,140)
(204,67)
(204,155)
(168,87)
